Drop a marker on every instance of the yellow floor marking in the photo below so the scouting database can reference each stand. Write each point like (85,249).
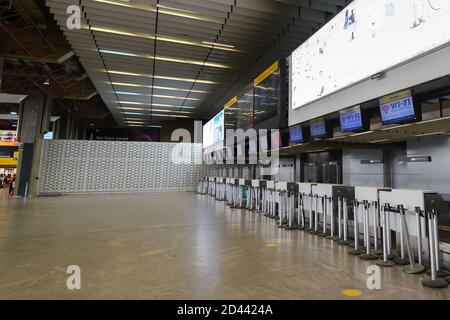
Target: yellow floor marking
(272,245)
(351,292)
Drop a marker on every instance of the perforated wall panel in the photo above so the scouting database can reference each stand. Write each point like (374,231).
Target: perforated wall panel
(74,166)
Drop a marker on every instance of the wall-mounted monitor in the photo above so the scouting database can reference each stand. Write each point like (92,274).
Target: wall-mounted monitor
(397,108)
(296,135)
(392,32)
(318,129)
(351,119)
(48,135)
(213,131)
(275,140)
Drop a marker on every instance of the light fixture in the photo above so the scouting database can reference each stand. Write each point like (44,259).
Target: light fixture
(164,10)
(168,59)
(156,96)
(125,84)
(155,105)
(382,140)
(397,127)
(361,133)
(218,45)
(146,75)
(429,134)
(161,37)
(13,113)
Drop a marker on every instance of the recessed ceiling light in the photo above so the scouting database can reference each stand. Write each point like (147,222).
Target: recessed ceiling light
(13,113)
(156,96)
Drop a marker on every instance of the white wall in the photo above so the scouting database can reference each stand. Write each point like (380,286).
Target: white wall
(356,174)
(73,166)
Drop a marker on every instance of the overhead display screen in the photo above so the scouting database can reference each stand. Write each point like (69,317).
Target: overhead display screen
(8,138)
(213,131)
(397,108)
(245,111)
(318,129)
(296,135)
(390,31)
(267,98)
(351,119)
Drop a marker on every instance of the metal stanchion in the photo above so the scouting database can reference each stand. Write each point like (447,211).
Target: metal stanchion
(439,272)
(412,268)
(434,282)
(344,241)
(376,229)
(386,262)
(315,229)
(356,249)
(402,259)
(311,200)
(368,255)
(332,222)
(301,213)
(324,216)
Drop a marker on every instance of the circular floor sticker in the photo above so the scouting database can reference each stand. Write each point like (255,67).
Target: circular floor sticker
(351,292)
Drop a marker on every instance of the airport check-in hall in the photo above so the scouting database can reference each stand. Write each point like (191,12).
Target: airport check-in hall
(225,150)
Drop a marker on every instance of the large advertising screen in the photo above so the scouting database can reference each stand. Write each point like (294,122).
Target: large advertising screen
(366,38)
(397,108)
(8,138)
(351,119)
(213,131)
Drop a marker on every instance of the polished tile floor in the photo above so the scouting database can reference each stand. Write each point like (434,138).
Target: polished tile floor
(174,246)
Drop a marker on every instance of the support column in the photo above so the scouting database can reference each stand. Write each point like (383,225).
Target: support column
(34,122)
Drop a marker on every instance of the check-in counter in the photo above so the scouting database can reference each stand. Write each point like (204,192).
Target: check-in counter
(323,210)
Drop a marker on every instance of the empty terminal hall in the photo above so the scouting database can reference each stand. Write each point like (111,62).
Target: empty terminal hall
(248,151)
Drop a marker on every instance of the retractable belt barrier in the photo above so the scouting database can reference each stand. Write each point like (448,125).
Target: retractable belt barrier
(373,217)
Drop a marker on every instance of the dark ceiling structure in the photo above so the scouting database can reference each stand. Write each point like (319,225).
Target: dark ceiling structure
(156,60)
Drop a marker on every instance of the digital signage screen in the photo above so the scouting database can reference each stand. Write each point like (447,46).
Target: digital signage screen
(8,138)
(296,135)
(213,131)
(48,136)
(397,108)
(318,129)
(351,119)
(391,31)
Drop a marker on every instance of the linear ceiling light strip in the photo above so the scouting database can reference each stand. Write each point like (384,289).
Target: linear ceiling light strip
(154,61)
(209,54)
(99,53)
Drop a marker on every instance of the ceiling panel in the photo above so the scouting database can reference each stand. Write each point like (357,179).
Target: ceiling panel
(183,57)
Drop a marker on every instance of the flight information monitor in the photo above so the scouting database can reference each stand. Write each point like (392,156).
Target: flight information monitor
(296,135)
(351,119)
(318,129)
(397,108)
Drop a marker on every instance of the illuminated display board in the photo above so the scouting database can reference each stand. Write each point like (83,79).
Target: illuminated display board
(318,129)
(213,131)
(397,108)
(351,119)
(366,38)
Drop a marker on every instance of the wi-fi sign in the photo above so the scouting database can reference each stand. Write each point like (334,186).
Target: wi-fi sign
(386,108)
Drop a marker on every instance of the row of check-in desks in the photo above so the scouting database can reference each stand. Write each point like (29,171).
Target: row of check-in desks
(370,220)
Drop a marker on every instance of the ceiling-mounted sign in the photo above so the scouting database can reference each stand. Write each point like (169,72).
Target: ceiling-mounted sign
(372,161)
(419,159)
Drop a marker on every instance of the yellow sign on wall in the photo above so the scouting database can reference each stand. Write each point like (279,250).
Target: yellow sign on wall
(10,162)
